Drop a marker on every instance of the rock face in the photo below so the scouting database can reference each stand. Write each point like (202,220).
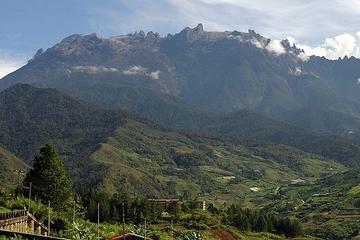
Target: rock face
(224,71)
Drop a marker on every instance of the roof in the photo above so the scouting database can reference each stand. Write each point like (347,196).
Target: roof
(164,199)
(129,236)
(297,181)
(254,189)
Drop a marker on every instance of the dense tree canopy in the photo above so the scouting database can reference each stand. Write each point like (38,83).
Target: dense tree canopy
(49,180)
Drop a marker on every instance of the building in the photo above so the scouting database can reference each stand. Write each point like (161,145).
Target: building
(129,236)
(164,202)
(297,181)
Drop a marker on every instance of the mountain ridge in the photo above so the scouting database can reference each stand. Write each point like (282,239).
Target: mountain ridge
(223,71)
(241,126)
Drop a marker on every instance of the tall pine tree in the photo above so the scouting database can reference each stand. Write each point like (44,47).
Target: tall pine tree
(49,179)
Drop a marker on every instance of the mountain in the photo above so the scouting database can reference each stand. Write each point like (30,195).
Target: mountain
(158,107)
(12,169)
(224,71)
(324,121)
(114,150)
(243,126)
(81,126)
(233,117)
(30,117)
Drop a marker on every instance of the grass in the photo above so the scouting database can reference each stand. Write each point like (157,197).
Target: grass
(174,164)
(355,190)
(9,163)
(326,207)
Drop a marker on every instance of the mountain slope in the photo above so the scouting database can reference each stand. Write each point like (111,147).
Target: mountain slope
(30,117)
(224,71)
(12,169)
(328,207)
(243,126)
(113,150)
(176,164)
(158,107)
(324,121)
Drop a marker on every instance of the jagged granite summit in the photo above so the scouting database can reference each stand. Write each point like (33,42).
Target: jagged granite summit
(223,71)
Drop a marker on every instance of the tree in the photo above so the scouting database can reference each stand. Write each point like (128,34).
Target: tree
(49,179)
(261,225)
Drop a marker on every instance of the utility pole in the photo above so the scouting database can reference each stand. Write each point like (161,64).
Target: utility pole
(172,229)
(123,219)
(17,175)
(74,216)
(98,220)
(145,229)
(30,196)
(49,218)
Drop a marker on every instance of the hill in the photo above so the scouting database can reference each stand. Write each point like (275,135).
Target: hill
(113,150)
(324,121)
(77,126)
(116,152)
(175,164)
(329,207)
(30,117)
(243,126)
(12,169)
(158,107)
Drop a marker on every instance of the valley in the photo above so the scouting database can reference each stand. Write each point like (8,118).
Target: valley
(265,138)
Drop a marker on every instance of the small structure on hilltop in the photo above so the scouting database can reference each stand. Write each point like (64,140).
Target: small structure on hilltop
(129,236)
(297,181)
(164,202)
(254,189)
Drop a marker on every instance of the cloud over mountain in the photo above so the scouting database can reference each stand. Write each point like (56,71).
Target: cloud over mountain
(276,47)
(334,47)
(140,70)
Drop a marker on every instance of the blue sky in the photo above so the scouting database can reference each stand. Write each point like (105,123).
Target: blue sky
(322,27)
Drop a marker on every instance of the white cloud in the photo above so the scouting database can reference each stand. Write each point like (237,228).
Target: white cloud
(140,70)
(276,47)
(94,69)
(135,70)
(303,18)
(332,48)
(256,43)
(297,71)
(9,63)
(292,41)
(155,75)
(303,56)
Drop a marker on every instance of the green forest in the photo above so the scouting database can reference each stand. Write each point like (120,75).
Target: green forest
(75,214)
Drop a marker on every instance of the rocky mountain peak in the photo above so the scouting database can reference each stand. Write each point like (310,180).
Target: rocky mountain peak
(37,55)
(199,28)
(77,44)
(198,33)
(137,35)
(192,34)
(291,48)
(151,34)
